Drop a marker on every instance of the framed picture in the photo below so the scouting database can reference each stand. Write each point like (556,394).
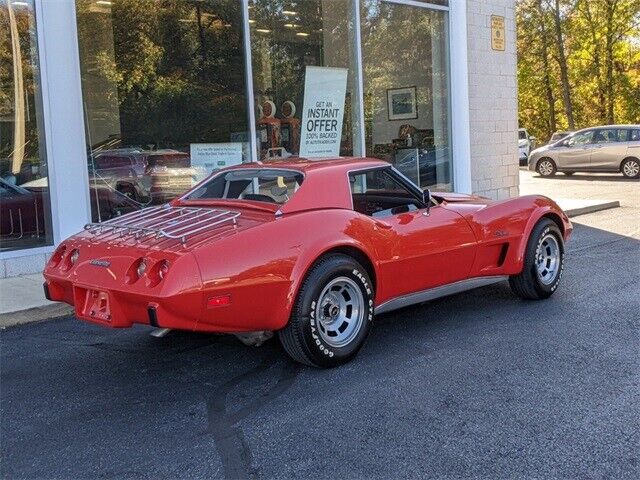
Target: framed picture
(402,104)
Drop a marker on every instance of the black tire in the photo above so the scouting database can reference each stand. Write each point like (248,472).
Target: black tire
(302,338)
(546,167)
(630,168)
(529,284)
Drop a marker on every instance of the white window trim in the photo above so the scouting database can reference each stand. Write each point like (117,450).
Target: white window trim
(68,175)
(459,96)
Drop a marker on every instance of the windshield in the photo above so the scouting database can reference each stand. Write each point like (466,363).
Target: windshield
(267,185)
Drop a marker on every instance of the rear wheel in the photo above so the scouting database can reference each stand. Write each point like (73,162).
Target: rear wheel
(631,168)
(332,314)
(546,167)
(543,263)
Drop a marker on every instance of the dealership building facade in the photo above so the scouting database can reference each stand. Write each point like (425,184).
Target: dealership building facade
(111,106)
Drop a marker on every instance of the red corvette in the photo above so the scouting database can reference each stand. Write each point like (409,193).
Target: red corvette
(310,250)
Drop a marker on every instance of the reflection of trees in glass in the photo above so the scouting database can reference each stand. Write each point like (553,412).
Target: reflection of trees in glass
(398,44)
(17,89)
(177,67)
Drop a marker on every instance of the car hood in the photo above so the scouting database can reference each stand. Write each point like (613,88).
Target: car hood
(544,148)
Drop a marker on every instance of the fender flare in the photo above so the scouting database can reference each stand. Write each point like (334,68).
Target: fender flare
(310,256)
(543,211)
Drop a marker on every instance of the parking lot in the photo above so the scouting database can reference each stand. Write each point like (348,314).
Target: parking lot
(586,186)
(480,384)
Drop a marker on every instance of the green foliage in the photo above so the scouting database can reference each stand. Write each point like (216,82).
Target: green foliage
(602,48)
(164,73)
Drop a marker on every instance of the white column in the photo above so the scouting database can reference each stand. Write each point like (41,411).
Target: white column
(459,94)
(63,117)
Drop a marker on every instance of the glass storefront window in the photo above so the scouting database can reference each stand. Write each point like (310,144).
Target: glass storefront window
(406,90)
(25,218)
(164,97)
(298,43)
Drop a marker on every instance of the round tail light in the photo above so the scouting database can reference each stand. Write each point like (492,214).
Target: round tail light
(56,258)
(73,256)
(163,269)
(142,267)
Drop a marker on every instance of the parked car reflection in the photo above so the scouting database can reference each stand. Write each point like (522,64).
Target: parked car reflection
(21,213)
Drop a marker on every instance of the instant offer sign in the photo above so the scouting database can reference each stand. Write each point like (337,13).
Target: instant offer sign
(323,110)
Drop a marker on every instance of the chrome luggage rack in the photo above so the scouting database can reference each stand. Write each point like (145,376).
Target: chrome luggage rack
(176,223)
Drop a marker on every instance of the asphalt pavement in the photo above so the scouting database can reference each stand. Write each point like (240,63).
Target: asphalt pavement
(477,385)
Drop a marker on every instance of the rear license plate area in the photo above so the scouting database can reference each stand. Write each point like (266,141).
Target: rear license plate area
(96,305)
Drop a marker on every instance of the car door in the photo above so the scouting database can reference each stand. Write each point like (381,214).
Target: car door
(427,247)
(609,147)
(575,152)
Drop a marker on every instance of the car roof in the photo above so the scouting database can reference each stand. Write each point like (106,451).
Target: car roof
(326,184)
(306,165)
(600,127)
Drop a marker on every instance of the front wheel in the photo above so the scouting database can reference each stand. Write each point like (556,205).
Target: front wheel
(332,314)
(546,167)
(631,168)
(543,263)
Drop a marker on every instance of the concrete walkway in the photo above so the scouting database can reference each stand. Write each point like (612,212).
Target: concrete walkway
(22,300)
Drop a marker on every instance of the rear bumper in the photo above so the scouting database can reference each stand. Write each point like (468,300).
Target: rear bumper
(121,309)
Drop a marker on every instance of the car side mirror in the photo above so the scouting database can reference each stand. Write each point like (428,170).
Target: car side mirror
(426,199)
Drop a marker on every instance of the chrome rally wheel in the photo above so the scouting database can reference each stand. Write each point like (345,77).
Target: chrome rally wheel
(340,311)
(332,314)
(548,259)
(543,262)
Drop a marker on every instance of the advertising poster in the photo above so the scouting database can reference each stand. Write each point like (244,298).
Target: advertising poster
(323,110)
(206,157)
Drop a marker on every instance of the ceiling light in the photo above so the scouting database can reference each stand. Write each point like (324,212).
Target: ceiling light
(289,25)
(103,2)
(263,30)
(252,21)
(289,12)
(20,4)
(302,34)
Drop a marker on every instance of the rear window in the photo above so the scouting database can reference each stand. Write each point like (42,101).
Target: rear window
(258,185)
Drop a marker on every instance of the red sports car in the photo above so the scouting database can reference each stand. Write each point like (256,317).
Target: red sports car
(310,250)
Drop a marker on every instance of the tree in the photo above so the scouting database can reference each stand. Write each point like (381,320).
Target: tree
(578,63)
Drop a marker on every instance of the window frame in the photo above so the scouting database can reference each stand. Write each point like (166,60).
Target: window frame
(214,175)
(403,181)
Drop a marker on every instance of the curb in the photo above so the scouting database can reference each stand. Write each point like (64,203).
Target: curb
(30,315)
(574,212)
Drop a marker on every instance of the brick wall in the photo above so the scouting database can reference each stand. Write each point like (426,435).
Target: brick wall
(493,101)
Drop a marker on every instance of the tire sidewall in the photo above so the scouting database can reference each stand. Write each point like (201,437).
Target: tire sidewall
(320,352)
(541,231)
